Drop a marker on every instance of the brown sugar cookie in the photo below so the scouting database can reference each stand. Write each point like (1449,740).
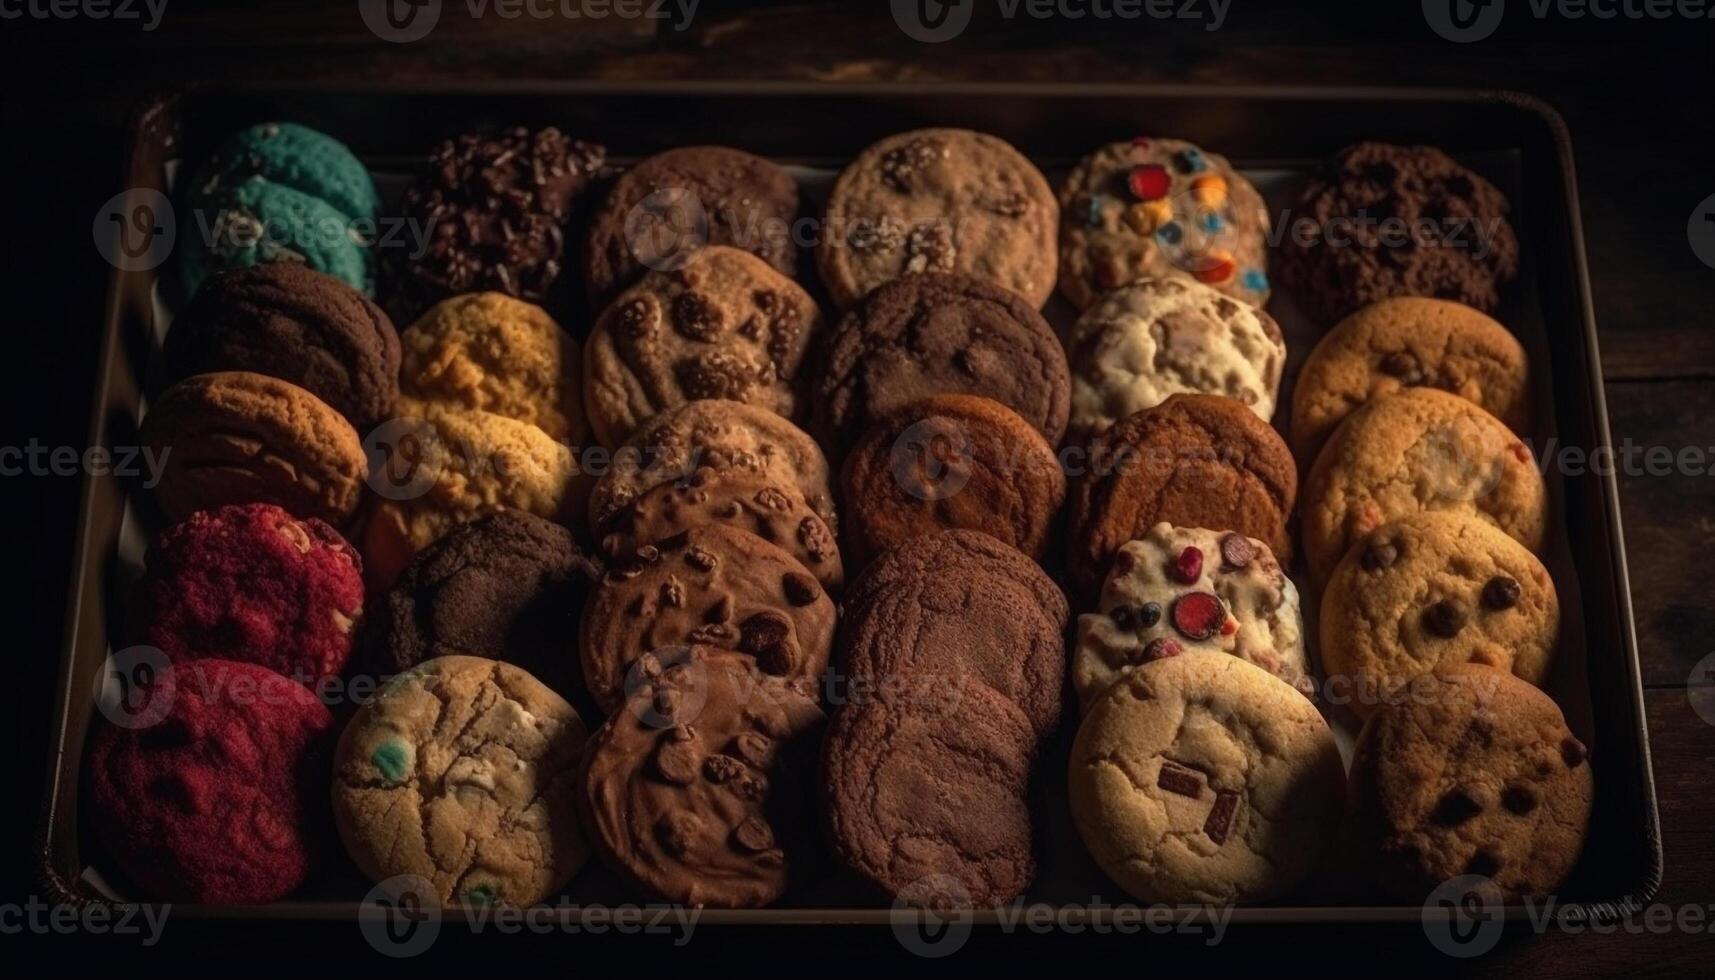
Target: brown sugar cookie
(1417,450)
(236,437)
(1192,461)
(946,462)
(714,585)
(1409,342)
(1475,773)
(940,200)
(723,325)
(700,790)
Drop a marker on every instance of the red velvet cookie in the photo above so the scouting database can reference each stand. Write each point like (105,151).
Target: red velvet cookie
(212,803)
(254,584)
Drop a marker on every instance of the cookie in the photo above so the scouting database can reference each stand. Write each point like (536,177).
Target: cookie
(506,586)
(1432,589)
(251,583)
(744,499)
(940,334)
(236,437)
(1192,461)
(280,192)
(939,200)
(495,208)
(927,801)
(959,605)
(1157,337)
(1417,450)
(1475,773)
(490,352)
(1161,208)
(1201,778)
(1409,342)
(287,321)
(463,772)
(713,585)
(221,801)
(449,467)
(658,213)
(950,462)
(721,435)
(700,790)
(723,325)
(1188,588)
(1381,220)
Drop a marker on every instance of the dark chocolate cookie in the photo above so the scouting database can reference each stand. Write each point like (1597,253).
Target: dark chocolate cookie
(714,585)
(1383,220)
(506,586)
(494,210)
(287,321)
(700,790)
(926,798)
(939,334)
(667,206)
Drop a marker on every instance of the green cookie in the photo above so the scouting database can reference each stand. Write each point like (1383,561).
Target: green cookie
(294,156)
(258,221)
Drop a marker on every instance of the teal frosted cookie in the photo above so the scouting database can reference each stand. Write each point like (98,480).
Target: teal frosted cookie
(294,156)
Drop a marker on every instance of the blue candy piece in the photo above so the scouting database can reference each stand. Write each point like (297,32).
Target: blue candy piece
(1255,280)
(1170,233)
(393,759)
(484,894)
(1190,161)
(1211,221)
(1094,217)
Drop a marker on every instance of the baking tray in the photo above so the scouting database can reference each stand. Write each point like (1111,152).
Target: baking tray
(1274,134)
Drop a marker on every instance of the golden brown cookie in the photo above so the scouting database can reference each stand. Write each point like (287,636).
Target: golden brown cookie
(951,462)
(1431,589)
(1416,450)
(1475,773)
(939,200)
(490,352)
(723,325)
(1408,342)
(1192,461)
(234,437)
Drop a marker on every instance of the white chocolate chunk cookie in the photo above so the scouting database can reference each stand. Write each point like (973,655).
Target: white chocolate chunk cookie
(1201,778)
(464,773)
(1157,337)
(1186,588)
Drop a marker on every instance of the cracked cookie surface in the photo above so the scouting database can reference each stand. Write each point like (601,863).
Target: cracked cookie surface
(463,771)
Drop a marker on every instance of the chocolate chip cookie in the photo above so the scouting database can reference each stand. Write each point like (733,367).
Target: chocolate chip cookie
(1203,778)
(658,213)
(926,800)
(939,200)
(700,791)
(1155,337)
(1409,342)
(1192,461)
(743,499)
(1161,208)
(723,325)
(1475,773)
(1383,220)
(714,585)
(1417,450)
(237,437)
(946,462)
(1188,588)
(464,772)
(287,321)
(1431,589)
(940,334)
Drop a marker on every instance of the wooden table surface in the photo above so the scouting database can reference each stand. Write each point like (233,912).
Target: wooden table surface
(1635,95)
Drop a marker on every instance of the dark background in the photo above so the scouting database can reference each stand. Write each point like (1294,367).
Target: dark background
(1636,95)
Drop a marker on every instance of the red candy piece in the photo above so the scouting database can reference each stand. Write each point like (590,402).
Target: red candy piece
(1149,181)
(1213,270)
(1229,627)
(1161,648)
(1198,615)
(1189,565)
(1141,142)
